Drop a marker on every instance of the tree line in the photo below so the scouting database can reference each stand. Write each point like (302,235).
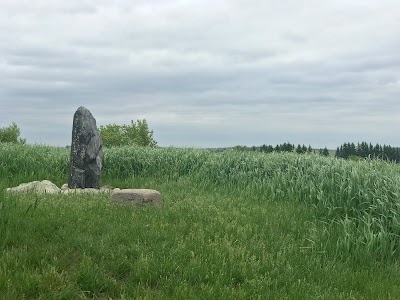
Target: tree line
(346,150)
(285,147)
(367,150)
(138,133)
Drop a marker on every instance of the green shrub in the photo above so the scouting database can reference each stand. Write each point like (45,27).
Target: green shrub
(11,134)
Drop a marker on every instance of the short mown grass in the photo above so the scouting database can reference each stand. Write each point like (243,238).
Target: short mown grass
(234,226)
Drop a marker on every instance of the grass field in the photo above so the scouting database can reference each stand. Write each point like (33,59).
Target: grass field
(235,225)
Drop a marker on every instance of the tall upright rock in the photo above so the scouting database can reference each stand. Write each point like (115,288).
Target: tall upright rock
(86,151)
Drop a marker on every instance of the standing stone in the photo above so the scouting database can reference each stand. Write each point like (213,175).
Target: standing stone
(86,151)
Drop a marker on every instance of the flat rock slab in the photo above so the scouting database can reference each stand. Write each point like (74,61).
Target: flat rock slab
(40,187)
(47,187)
(137,197)
(143,197)
(84,191)
(104,189)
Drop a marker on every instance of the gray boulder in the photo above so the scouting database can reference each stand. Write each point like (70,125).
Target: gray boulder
(137,197)
(86,151)
(40,187)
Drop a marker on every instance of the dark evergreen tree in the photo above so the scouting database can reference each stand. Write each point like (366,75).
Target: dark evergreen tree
(337,153)
(352,149)
(298,149)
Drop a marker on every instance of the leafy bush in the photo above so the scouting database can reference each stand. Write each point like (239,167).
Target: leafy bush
(11,134)
(137,133)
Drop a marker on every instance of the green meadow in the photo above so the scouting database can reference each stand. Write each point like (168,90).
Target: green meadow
(235,225)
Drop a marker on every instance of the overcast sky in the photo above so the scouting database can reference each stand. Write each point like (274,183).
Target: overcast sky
(204,73)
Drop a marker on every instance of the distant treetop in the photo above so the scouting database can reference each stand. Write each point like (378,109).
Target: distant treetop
(137,133)
(11,134)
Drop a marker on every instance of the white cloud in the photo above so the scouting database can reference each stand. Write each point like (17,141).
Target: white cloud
(266,71)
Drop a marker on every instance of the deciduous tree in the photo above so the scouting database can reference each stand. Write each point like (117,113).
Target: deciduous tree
(11,134)
(137,133)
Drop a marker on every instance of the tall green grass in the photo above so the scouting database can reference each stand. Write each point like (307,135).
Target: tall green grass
(357,203)
(22,163)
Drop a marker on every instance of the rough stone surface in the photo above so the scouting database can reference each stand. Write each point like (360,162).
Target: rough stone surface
(137,197)
(80,191)
(125,196)
(86,152)
(39,187)
(66,190)
(106,187)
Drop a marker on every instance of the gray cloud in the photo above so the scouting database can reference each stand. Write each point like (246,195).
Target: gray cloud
(204,73)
